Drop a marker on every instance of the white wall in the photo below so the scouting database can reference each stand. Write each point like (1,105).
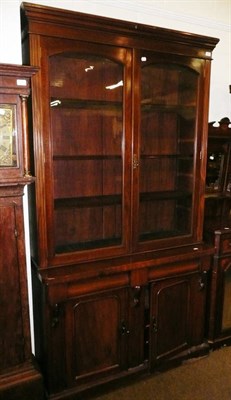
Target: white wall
(207,17)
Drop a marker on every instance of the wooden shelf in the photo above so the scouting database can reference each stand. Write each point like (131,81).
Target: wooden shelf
(163,156)
(85,104)
(86,202)
(87,245)
(180,109)
(86,157)
(165,195)
(160,234)
(101,201)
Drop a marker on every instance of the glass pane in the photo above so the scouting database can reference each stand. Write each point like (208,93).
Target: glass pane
(215,165)
(8,151)
(168,112)
(86,95)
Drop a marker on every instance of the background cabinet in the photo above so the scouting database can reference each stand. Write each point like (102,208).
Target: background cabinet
(217,230)
(219,327)
(218,178)
(120,139)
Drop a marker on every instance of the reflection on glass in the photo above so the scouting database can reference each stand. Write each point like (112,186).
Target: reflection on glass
(215,165)
(168,113)
(86,96)
(8,156)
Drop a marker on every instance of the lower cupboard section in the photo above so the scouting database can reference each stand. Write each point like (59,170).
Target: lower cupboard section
(97,337)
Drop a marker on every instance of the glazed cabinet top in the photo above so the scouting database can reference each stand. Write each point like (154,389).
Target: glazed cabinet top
(120,130)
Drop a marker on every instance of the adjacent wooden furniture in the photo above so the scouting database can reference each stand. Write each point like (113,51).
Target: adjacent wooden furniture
(217,230)
(18,375)
(218,178)
(219,322)
(120,140)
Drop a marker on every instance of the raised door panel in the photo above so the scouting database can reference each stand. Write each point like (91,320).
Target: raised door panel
(177,316)
(97,330)
(169,327)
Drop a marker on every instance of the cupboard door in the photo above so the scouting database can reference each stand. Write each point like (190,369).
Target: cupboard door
(168,149)
(87,150)
(96,336)
(177,316)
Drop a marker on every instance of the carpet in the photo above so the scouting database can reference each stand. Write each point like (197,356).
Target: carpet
(207,378)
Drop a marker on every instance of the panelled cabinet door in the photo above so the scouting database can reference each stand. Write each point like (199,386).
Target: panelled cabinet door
(102,335)
(96,336)
(177,316)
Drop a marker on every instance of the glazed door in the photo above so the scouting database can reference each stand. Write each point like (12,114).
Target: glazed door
(166,163)
(86,139)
